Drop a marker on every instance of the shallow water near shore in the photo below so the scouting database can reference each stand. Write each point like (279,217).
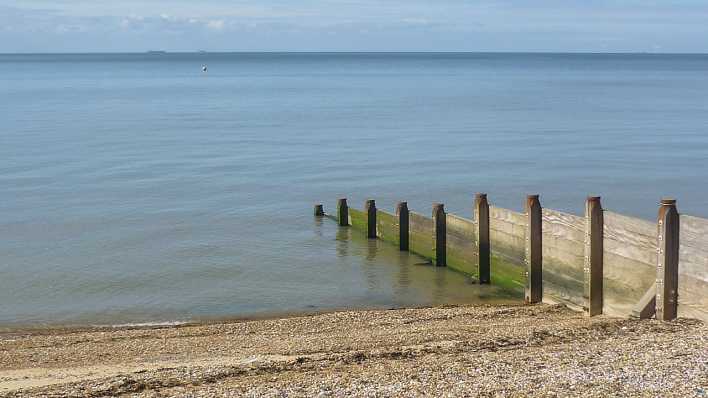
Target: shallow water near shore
(136,188)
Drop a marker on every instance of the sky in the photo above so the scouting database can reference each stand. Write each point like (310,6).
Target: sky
(354,25)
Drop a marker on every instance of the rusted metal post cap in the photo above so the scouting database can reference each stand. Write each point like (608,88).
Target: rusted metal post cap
(531,200)
(668,202)
(593,198)
(481,196)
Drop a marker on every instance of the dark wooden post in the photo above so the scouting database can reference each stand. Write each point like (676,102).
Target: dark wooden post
(319,210)
(593,266)
(667,264)
(342,212)
(534,247)
(402,214)
(370,209)
(440,234)
(483,249)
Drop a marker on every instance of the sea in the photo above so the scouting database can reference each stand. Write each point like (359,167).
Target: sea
(138,188)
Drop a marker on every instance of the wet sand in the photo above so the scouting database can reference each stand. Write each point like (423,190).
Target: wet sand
(542,350)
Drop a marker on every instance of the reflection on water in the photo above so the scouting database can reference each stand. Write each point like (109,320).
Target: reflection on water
(332,268)
(410,279)
(404,277)
(343,237)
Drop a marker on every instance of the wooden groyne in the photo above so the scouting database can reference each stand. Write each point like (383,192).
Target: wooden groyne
(601,262)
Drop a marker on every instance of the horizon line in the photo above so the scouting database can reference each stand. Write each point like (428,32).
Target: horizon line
(157,52)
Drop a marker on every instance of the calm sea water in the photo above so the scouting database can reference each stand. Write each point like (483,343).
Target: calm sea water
(135,188)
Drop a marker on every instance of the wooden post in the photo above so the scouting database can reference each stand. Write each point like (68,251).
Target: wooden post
(667,264)
(440,234)
(593,266)
(402,214)
(342,212)
(370,209)
(319,210)
(534,247)
(483,249)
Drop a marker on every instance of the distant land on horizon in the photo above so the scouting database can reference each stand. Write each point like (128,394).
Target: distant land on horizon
(160,52)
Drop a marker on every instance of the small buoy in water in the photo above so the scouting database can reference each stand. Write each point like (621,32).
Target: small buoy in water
(204,68)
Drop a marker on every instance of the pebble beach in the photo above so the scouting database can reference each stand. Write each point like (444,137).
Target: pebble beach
(485,351)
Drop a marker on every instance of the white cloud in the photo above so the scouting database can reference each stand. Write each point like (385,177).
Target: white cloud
(499,25)
(131,22)
(215,24)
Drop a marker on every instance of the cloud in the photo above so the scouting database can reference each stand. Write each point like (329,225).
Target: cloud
(169,23)
(216,24)
(444,25)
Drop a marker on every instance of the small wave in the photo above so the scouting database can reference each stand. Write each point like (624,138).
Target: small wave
(143,324)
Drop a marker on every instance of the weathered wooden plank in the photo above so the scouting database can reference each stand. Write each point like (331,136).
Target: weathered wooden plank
(643,254)
(507,234)
(508,228)
(462,245)
(564,251)
(421,234)
(693,258)
(625,282)
(628,272)
(630,257)
(510,275)
(507,221)
(507,246)
(465,224)
(562,282)
(646,307)
(564,257)
(358,220)
(563,237)
(502,226)
(565,226)
(461,228)
(387,227)
(510,216)
(693,268)
(630,232)
(693,297)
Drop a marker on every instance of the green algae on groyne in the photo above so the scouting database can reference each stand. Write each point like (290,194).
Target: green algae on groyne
(600,263)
